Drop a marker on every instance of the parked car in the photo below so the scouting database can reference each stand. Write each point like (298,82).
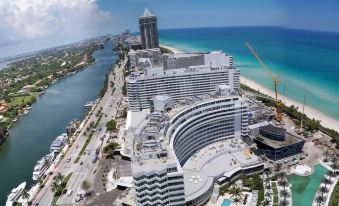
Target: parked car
(69,193)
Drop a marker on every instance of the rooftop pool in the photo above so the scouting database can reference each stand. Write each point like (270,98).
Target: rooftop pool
(226,202)
(304,188)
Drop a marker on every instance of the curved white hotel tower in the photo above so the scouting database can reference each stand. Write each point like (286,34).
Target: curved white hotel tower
(180,154)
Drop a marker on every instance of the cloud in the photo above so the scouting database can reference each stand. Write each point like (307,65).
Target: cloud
(30,20)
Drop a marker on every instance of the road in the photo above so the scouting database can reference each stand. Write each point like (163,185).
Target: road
(86,170)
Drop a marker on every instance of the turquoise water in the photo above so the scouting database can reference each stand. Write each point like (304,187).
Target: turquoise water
(305,59)
(31,136)
(305,187)
(226,202)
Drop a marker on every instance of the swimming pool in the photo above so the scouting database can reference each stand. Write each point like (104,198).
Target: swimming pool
(304,188)
(226,202)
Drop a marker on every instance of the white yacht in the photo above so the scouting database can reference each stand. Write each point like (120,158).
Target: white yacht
(42,165)
(59,143)
(15,194)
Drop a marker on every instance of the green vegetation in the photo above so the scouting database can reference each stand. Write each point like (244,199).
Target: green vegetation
(108,150)
(334,200)
(124,89)
(25,79)
(59,183)
(224,188)
(104,88)
(25,100)
(275,193)
(58,186)
(165,50)
(236,195)
(3,130)
(111,125)
(86,186)
(83,148)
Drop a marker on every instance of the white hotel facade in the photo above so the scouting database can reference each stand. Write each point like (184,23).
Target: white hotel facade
(179,156)
(184,128)
(181,76)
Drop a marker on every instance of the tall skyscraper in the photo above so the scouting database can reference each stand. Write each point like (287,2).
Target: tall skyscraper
(148,30)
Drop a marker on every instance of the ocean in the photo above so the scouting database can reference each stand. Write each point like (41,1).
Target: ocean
(306,60)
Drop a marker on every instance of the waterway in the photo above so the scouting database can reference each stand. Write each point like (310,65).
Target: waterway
(31,136)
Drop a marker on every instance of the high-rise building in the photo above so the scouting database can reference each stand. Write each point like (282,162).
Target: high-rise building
(148,30)
(182,155)
(181,76)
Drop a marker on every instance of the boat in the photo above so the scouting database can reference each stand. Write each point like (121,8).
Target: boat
(26,112)
(15,194)
(58,143)
(42,166)
(15,119)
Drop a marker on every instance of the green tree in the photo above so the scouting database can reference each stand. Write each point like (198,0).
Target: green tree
(24,194)
(86,186)
(108,150)
(59,177)
(320,199)
(111,125)
(236,195)
(55,187)
(326,153)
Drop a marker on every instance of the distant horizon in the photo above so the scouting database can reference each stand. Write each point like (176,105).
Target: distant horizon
(34,25)
(2,58)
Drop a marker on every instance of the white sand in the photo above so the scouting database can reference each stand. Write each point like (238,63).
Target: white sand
(301,169)
(174,50)
(309,111)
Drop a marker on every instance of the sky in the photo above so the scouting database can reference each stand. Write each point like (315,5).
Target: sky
(30,25)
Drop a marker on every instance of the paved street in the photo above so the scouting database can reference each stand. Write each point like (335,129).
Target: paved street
(109,105)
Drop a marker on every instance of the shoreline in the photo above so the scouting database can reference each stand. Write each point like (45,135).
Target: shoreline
(324,119)
(173,49)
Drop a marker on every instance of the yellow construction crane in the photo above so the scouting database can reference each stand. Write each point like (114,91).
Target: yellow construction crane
(274,78)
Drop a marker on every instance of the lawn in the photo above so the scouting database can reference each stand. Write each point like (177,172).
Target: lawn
(334,201)
(23,100)
(275,193)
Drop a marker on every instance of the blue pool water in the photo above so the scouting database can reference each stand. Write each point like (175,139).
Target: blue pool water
(226,202)
(304,188)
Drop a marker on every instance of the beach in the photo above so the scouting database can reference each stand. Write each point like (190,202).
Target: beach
(309,111)
(174,50)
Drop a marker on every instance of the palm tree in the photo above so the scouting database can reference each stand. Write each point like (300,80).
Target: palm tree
(54,186)
(59,177)
(236,195)
(327,181)
(334,161)
(278,166)
(331,174)
(86,186)
(281,174)
(323,190)
(108,150)
(320,199)
(284,202)
(24,194)
(284,193)
(283,183)
(326,153)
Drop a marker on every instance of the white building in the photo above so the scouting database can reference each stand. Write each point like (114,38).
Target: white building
(181,76)
(153,54)
(180,155)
